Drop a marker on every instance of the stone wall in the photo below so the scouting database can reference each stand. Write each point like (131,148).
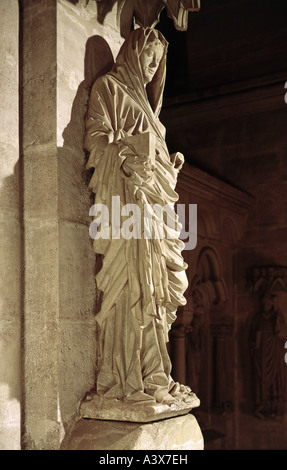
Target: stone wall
(63,48)
(242,140)
(204,346)
(47,277)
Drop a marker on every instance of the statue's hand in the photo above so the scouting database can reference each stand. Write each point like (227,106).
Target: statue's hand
(177,159)
(138,164)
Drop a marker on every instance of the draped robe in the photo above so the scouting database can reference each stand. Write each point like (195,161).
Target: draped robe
(142,279)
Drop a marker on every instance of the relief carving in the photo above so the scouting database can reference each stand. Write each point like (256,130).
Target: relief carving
(267,337)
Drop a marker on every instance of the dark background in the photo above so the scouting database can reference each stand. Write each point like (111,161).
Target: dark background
(224,109)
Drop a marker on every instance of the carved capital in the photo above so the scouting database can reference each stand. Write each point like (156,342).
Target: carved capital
(272,279)
(146,12)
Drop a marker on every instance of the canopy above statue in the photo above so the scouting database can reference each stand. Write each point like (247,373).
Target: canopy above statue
(146,13)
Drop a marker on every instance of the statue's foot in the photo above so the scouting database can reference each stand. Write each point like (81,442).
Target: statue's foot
(185,394)
(162,396)
(165,399)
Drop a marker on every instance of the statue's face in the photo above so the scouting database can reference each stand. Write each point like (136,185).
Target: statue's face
(150,59)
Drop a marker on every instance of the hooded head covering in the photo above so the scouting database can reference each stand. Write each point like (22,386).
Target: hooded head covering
(128,70)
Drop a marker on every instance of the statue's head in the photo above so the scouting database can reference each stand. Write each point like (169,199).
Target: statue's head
(151,56)
(142,63)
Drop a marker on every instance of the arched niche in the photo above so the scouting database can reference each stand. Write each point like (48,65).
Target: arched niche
(209,276)
(192,341)
(266,331)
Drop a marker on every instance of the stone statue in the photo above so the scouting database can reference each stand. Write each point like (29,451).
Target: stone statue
(142,278)
(267,337)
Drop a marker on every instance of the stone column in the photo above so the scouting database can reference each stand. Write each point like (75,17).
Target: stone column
(41,229)
(221,333)
(59,289)
(10,238)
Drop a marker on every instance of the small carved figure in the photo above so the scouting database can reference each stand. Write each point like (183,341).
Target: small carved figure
(267,337)
(142,278)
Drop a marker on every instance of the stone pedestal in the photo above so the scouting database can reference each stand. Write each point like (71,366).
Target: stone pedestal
(97,407)
(180,433)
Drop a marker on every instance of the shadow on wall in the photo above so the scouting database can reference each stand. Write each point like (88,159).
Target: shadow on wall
(72,157)
(78,296)
(98,61)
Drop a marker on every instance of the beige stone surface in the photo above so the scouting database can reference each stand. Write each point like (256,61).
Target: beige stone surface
(10,231)
(180,433)
(59,335)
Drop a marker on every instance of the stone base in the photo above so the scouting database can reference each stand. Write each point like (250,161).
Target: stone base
(98,407)
(180,433)
(118,410)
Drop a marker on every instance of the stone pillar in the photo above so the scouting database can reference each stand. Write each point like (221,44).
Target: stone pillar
(41,228)
(10,239)
(62,48)
(221,333)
